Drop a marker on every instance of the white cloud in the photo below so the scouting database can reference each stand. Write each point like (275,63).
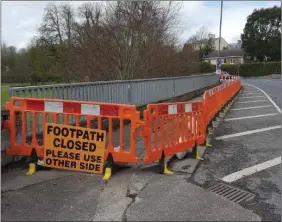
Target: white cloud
(198,14)
(20,19)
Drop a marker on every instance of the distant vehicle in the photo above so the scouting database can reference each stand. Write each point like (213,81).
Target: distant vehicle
(224,75)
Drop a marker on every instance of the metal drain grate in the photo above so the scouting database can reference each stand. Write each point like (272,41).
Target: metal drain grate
(231,193)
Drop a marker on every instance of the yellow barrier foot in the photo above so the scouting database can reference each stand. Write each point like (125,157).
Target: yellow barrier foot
(221,114)
(31,169)
(166,170)
(108,173)
(208,144)
(198,157)
(214,124)
(210,131)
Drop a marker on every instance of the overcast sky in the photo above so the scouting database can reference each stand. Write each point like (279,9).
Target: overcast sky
(20,19)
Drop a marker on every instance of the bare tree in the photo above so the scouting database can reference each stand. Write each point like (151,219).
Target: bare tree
(123,40)
(201,34)
(51,28)
(67,17)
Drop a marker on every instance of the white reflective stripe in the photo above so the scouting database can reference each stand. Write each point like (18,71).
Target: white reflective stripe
(56,107)
(90,109)
(188,107)
(210,92)
(194,123)
(172,109)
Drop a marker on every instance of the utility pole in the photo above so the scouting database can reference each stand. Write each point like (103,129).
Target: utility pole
(219,40)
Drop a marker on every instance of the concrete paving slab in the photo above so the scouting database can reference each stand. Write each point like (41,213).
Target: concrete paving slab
(67,198)
(15,180)
(118,194)
(170,198)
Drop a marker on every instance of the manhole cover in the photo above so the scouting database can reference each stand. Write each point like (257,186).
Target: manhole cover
(231,193)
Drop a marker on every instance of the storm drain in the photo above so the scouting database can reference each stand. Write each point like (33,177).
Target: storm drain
(231,193)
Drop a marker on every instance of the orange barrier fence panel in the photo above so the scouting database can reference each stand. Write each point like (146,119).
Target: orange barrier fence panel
(172,128)
(169,128)
(216,98)
(35,113)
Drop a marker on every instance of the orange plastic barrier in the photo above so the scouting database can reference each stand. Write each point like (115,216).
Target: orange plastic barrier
(170,128)
(35,113)
(217,97)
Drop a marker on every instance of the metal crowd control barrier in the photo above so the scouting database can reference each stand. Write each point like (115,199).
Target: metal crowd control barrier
(133,92)
(168,128)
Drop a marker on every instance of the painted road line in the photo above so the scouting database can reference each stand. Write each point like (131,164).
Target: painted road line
(250,97)
(250,117)
(250,91)
(258,93)
(247,132)
(251,170)
(274,104)
(254,101)
(251,107)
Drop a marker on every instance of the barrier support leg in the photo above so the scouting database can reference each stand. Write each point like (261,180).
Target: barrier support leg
(32,164)
(208,142)
(195,153)
(214,124)
(108,167)
(221,114)
(209,129)
(163,165)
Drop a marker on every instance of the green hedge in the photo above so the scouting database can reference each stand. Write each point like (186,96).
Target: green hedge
(253,69)
(206,67)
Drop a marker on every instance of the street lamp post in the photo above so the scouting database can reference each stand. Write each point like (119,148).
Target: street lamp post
(219,40)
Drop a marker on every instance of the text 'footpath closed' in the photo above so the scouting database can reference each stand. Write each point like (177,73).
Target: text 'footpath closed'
(74,148)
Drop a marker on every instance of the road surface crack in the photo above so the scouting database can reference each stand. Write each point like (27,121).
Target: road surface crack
(133,200)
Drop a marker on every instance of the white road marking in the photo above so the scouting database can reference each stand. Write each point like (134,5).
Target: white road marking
(248,132)
(262,166)
(251,107)
(258,93)
(249,97)
(250,117)
(250,91)
(251,170)
(274,104)
(254,101)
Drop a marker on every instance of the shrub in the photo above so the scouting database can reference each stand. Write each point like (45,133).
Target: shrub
(206,67)
(253,69)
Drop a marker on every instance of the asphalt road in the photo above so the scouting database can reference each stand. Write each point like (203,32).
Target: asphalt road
(233,154)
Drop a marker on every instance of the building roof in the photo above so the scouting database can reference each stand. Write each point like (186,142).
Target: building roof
(203,41)
(226,53)
(235,45)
